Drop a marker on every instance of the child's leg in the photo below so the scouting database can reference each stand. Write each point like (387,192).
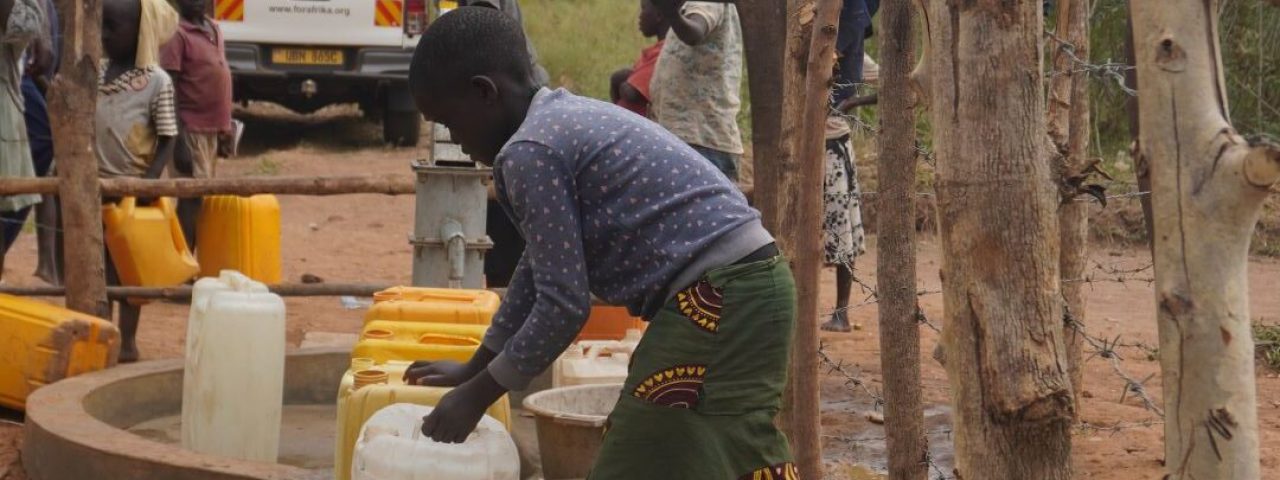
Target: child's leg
(129,317)
(844,285)
(184,166)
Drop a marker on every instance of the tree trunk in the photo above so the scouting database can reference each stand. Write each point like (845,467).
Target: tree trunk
(1069,129)
(809,148)
(72,102)
(765,38)
(1005,351)
(784,227)
(896,255)
(1208,184)
(1141,169)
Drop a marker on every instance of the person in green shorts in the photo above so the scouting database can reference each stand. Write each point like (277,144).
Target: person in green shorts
(611,204)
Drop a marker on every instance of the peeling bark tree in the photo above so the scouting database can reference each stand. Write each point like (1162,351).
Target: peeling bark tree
(896,255)
(1069,130)
(72,101)
(1005,356)
(1208,184)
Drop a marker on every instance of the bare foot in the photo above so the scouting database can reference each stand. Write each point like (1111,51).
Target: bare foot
(838,323)
(129,354)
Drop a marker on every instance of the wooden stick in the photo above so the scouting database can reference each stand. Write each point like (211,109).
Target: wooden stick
(189,187)
(72,103)
(807,253)
(183,292)
(283,185)
(779,199)
(765,39)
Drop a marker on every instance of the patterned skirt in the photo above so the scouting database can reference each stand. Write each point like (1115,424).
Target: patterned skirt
(706,383)
(844,238)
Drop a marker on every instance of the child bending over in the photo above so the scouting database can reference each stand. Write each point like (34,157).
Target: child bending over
(613,205)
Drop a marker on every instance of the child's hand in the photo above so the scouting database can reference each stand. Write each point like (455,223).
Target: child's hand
(458,412)
(441,373)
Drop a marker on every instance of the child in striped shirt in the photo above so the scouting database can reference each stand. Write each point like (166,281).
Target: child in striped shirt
(136,121)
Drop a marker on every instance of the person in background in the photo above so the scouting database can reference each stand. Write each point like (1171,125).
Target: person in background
(629,87)
(698,78)
(196,60)
(35,84)
(21,23)
(613,205)
(136,122)
(842,197)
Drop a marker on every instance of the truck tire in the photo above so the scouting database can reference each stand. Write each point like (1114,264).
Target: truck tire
(401,129)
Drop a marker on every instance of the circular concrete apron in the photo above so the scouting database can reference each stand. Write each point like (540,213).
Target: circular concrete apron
(76,428)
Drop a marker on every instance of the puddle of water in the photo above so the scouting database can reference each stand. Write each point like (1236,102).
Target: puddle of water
(307,434)
(858,445)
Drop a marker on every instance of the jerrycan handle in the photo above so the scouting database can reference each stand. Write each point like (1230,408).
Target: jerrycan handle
(175,226)
(446,339)
(127,205)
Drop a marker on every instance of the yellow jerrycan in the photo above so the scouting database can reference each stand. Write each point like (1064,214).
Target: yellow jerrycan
(435,305)
(45,343)
(146,244)
(367,387)
(241,234)
(385,341)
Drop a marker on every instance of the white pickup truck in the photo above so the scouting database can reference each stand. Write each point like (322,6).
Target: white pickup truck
(307,54)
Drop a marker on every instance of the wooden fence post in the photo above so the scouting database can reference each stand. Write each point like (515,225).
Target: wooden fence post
(806,244)
(73,100)
(1068,126)
(905,438)
(1005,360)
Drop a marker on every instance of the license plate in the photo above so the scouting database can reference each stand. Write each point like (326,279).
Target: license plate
(307,56)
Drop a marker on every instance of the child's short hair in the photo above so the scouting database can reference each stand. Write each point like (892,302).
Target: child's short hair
(466,42)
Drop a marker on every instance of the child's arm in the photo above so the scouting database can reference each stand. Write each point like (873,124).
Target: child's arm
(541,192)
(163,155)
(690,28)
(164,118)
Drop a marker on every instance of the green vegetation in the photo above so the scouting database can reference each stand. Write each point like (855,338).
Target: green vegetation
(1267,343)
(582,42)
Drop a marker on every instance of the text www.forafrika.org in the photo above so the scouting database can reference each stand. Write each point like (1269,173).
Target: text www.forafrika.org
(316,10)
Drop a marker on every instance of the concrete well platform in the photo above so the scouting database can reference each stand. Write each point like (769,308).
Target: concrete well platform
(120,424)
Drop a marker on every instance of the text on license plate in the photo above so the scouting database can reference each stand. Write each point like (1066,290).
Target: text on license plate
(306,56)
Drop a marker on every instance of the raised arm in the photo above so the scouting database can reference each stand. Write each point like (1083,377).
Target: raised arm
(690,28)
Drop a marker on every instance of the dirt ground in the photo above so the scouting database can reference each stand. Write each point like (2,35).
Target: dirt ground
(363,238)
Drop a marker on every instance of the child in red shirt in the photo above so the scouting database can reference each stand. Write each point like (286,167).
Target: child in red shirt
(629,87)
(196,60)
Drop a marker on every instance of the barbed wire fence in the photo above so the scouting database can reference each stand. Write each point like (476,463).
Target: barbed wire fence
(1108,349)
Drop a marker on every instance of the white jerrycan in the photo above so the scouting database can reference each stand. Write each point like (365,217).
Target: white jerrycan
(391,447)
(233,383)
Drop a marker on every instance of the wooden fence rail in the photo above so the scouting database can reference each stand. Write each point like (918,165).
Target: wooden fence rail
(391,184)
